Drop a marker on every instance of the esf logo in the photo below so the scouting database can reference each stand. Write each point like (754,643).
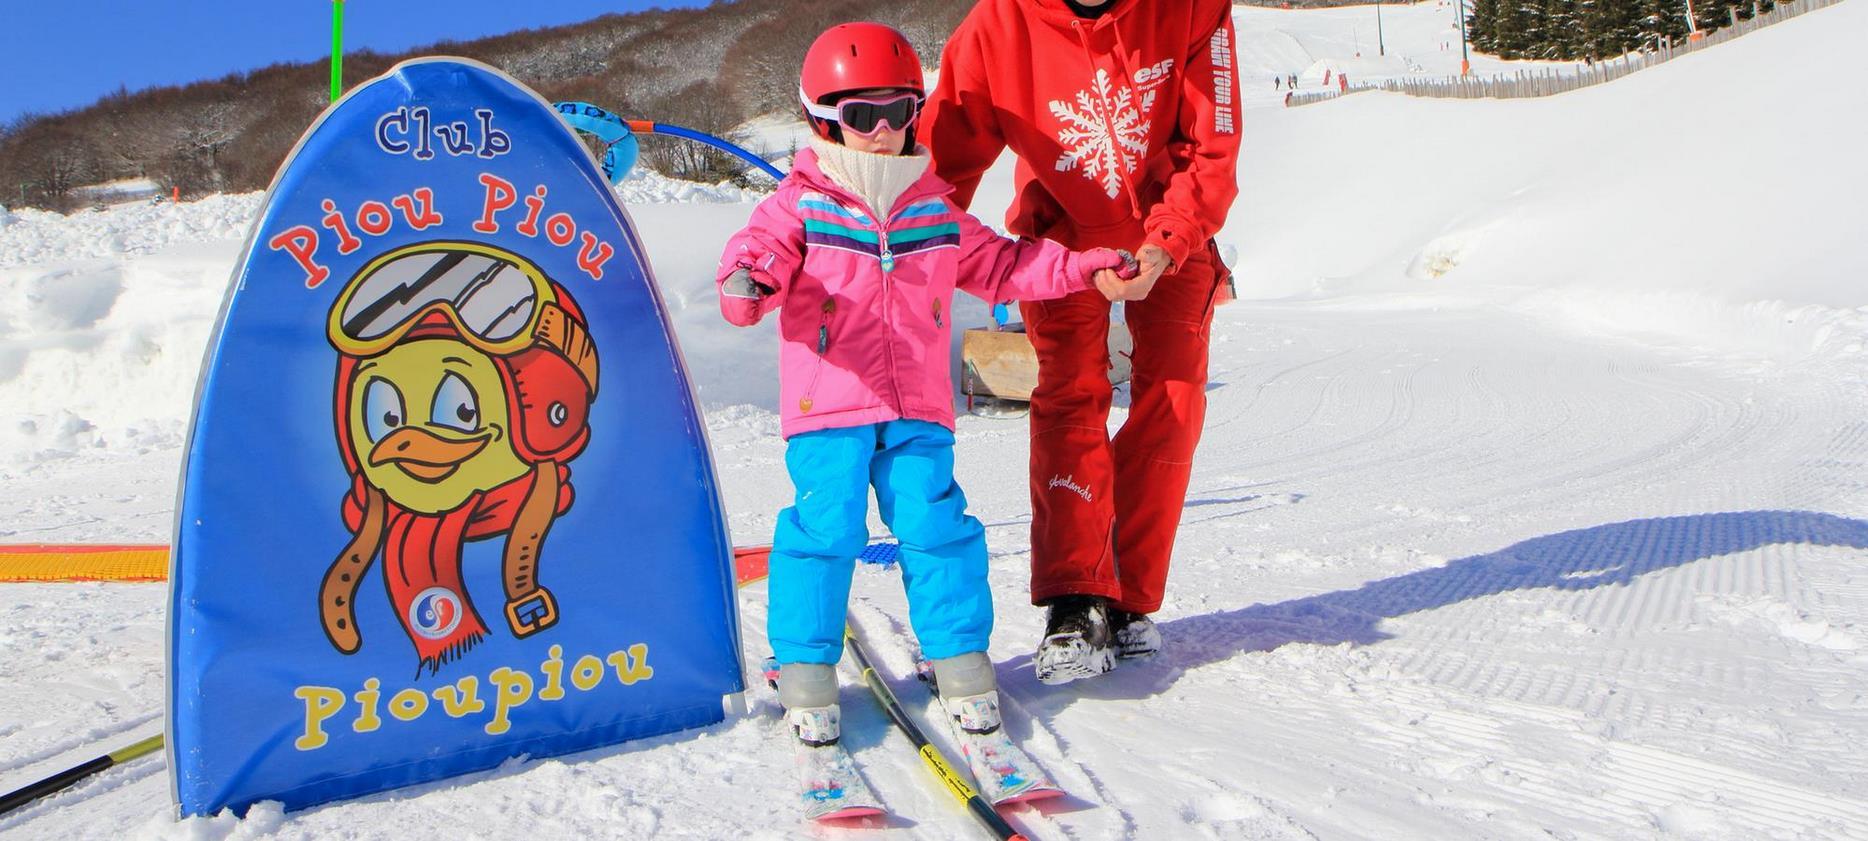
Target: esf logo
(1155,72)
(413,131)
(435,613)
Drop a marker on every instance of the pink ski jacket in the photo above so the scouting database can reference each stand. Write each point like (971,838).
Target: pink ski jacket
(864,304)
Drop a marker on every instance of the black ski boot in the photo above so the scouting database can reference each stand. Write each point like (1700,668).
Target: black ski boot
(1135,634)
(1077,641)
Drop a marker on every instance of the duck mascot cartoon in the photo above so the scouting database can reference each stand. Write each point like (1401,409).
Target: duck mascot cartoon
(464,383)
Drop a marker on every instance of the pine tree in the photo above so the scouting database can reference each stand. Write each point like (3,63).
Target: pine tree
(1713,14)
(1661,21)
(1624,28)
(1482,26)
(1610,28)
(1516,20)
(1561,30)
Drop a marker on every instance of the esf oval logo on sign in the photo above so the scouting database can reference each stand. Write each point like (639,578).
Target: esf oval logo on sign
(435,612)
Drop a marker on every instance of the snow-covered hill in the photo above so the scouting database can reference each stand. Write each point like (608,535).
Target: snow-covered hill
(1531,503)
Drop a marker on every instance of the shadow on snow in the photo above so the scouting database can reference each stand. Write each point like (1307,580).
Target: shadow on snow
(1581,559)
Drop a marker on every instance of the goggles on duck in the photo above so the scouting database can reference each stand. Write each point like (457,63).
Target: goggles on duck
(495,299)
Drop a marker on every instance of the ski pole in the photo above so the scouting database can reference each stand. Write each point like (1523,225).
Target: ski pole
(931,755)
(70,776)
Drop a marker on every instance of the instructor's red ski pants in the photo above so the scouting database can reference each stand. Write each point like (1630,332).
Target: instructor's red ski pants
(1104,512)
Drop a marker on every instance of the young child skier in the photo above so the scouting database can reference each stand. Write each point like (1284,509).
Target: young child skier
(860,250)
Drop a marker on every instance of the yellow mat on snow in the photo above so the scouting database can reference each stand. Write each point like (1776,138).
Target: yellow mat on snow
(83,562)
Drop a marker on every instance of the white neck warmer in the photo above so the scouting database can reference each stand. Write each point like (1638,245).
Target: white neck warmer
(877,179)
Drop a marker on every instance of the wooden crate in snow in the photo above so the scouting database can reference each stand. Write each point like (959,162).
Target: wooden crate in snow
(1000,363)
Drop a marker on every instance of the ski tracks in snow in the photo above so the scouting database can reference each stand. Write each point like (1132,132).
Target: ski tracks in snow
(1459,616)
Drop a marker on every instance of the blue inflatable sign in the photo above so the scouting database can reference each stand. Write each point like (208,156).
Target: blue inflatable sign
(447,497)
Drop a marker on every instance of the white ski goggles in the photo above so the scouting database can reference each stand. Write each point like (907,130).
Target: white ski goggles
(868,115)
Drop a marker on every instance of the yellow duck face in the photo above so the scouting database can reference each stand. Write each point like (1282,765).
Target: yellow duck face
(429,424)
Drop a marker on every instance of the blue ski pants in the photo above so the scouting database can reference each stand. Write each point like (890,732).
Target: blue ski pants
(943,549)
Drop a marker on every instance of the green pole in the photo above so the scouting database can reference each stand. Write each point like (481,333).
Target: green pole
(337,49)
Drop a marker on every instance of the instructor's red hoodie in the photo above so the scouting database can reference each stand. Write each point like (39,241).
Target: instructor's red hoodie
(1156,77)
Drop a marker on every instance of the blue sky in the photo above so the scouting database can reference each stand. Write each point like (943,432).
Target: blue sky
(62,54)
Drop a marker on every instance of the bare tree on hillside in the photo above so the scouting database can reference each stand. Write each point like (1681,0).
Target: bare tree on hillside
(47,171)
(701,106)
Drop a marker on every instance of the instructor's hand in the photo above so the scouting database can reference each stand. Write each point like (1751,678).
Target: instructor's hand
(1154,262)
(1113,287)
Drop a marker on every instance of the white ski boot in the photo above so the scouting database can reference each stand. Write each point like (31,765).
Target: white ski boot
(829,786)
(1005,774)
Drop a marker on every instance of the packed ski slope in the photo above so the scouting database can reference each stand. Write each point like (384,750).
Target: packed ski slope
(1421,38)
(1533,501)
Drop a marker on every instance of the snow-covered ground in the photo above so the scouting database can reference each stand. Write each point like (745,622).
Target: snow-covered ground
(1533,501)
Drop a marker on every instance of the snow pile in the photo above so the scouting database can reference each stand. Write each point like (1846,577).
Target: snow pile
(37,237)
(103,318)
(103,353)
(646,186)
(1701,200)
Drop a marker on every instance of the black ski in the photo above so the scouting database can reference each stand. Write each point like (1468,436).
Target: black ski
(70,776)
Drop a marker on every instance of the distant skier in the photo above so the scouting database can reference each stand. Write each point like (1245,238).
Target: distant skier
(861,250)
(1277,83)
(1124,118)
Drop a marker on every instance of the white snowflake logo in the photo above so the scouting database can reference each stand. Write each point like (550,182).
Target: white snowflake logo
(1104,133)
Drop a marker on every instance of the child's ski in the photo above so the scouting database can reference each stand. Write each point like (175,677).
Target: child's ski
(830,787)
(1006,774)
(980,807)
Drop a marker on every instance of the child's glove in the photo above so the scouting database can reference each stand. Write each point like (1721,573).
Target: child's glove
(1130,266)
(741,297)
(1094,260)
(740,284)
(1107,268)
(1117,259)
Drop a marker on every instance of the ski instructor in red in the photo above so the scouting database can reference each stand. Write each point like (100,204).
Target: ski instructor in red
(1123,118)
